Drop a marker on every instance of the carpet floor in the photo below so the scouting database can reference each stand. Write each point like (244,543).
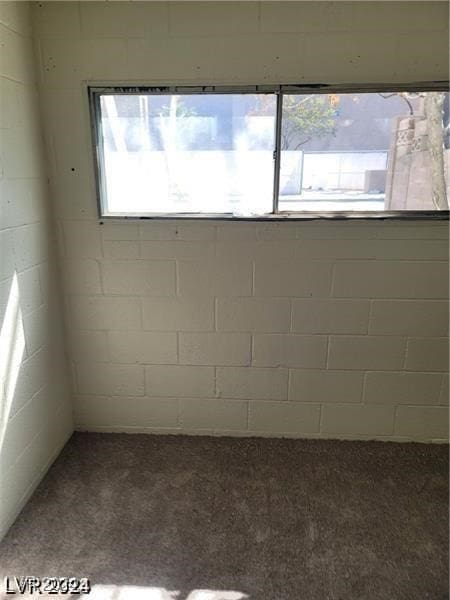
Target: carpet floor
(170,517)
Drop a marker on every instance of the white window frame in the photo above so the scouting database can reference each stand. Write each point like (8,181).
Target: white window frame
(95,91)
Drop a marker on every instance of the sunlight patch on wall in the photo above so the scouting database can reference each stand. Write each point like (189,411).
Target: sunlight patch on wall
(12,345)
(131,592)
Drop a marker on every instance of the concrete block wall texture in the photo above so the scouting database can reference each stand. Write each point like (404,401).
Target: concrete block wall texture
(298,329)
(35,403)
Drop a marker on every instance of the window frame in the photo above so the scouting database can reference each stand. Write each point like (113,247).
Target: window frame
(96,90)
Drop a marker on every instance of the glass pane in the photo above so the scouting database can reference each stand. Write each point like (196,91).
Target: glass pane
(365,152)
(209,153)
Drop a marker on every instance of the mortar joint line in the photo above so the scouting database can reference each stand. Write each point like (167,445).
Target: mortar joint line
(215,314)
(320,417)
(253,277)
(291,311)
(332,282)
(327,362)
(177,278)
(441,388)
(363,387)
(370,316)
(405,354)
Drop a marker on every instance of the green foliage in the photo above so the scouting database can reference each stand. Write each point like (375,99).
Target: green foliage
(305,117)
(177,108)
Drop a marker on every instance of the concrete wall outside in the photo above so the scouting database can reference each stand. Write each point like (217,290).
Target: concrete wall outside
(409,167)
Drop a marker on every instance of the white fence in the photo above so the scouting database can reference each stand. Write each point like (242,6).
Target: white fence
(340,170)
(221,181)
(197,180)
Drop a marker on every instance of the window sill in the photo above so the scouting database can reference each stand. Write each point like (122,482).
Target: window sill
(289,216)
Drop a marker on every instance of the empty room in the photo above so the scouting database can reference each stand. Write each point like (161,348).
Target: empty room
(224,316)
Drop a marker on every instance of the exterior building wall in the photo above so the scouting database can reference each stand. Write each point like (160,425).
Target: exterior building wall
(409,167)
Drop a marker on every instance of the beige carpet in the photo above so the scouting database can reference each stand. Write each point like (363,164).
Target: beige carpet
(265,519)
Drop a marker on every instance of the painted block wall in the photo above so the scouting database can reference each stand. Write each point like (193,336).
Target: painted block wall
(35,403)
(297,329)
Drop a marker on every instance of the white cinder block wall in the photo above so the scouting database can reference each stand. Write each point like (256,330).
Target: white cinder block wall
(297,329)
(35,409)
